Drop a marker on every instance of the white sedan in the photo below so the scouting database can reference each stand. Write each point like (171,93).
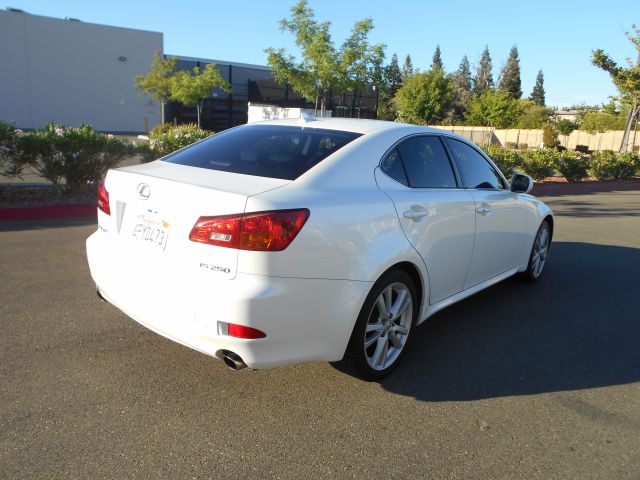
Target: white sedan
(311,240)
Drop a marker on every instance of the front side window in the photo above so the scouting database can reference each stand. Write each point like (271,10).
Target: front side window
(274,151)
(426,163)
(475,170)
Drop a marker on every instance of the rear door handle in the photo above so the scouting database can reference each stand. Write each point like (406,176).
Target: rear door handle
(483,210)
(415,215)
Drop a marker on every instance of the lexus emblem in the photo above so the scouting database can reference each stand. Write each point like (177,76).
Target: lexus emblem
(143,191)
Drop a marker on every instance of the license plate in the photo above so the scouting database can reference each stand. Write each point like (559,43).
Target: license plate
(149,229)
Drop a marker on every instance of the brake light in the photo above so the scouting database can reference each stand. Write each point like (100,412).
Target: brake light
(103,198)
(261,231)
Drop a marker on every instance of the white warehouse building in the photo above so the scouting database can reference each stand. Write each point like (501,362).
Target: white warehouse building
(73,72)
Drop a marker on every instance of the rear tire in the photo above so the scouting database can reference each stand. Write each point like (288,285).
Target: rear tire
(539,254)
(383,328)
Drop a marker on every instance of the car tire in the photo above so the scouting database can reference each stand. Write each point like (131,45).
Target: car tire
(539,254)
(383,328)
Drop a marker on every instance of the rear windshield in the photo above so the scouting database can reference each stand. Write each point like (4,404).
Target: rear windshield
(274,151)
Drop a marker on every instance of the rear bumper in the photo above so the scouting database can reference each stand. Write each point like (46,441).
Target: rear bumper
(304,319)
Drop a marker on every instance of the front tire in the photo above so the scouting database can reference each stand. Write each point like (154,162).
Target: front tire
(539,254)
(383,327)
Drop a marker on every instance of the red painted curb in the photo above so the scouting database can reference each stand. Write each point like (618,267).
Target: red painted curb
(42,213)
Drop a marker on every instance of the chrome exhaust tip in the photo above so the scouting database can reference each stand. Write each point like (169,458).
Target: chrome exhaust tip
(233,360)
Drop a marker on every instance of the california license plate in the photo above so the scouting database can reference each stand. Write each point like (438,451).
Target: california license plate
(150,230)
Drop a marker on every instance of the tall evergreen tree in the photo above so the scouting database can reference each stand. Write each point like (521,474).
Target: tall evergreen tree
(437,59)
(392,82)
(483,80)
(393,75)
(510,76)
(537,94)
(461,92)
(407,68)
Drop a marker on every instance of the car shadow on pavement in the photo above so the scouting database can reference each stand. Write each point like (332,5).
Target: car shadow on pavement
(577,328)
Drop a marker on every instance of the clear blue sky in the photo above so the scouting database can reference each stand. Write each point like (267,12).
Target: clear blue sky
(555,36)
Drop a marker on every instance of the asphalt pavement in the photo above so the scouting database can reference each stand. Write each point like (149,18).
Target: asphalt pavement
(519,381)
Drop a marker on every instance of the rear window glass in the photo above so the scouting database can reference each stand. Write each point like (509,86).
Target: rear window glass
(274,151)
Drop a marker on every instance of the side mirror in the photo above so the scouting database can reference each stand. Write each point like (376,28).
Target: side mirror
(521,183)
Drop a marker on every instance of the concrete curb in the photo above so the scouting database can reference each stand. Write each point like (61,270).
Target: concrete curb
(45,212)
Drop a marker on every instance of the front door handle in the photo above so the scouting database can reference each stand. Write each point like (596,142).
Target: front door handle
(483,210)
(415,215)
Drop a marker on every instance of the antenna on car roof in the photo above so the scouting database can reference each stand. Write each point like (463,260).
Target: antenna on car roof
(306,118)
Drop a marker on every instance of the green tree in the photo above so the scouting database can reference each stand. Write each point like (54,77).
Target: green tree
(425,97)
(393,75)
(191,88)
(626,80)
(509,82)
(323,68)
(483,80)
(565,126)
(436,62)
(392,82)
(598,122)
(533,115)
(537,94)
(157,82)
(361,63)
(407,68)
(461,92)
(494,109)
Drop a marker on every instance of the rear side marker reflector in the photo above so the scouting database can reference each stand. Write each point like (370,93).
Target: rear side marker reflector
(103,198)
(239,331)
(271,231)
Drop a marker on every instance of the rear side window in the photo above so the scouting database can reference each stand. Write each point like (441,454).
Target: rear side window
(274,151)
(476,172)
(426,163)
(392,166)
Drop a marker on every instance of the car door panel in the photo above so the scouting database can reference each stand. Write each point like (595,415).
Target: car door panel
(500,223)
(500,217)
(443,236)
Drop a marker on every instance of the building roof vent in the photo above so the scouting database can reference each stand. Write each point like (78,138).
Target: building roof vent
(72,19)
(12,9)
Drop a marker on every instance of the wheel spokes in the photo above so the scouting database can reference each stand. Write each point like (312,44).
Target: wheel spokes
(388,326)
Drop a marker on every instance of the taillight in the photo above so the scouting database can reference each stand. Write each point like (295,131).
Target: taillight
(103,198)
(261,231)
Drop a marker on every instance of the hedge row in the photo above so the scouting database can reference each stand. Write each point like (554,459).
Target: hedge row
(73,156)
(573,166)
(80,156)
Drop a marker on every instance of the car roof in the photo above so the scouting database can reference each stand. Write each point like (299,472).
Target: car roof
(355,125)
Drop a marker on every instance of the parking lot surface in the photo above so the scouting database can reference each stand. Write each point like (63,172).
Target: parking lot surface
(519,381)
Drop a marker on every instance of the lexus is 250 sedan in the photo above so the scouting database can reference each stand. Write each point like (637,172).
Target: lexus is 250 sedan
(311,240)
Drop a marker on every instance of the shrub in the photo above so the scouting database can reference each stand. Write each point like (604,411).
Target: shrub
(510,145)
(10,164)
(540,164)
(550,136)
(565,127)
(572,165)
(164,143)
(523,146)
(161,128)
(78,155)
(600,162)
(623,166)
(508,161)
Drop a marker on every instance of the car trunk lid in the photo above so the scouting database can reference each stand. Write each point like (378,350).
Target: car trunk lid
(154,207)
